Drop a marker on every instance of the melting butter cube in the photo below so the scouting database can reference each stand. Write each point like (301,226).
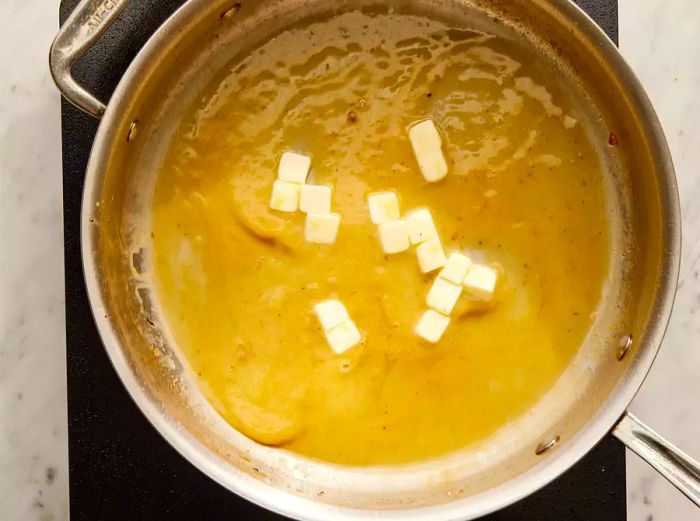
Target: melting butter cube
(383,207)
(480,281)
(430,255)
(321,229)
(420,226)
(443,295)
(569,122)
(427,147)
(330,313)
(315,199)
(285,196)
(343,336)
(432,325)
(293,168)
(456,268)
(394,236)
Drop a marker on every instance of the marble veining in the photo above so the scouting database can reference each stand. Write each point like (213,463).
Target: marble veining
(33,439)
(659,38)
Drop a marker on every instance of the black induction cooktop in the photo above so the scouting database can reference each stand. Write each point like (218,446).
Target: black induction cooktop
(120,467)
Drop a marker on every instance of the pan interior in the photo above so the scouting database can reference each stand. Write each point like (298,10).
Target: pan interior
(203,39)
(524,194)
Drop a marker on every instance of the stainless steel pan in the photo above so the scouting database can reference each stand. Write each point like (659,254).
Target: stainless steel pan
(587,402)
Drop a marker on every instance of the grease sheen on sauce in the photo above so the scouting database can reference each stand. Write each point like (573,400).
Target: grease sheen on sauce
(237,282)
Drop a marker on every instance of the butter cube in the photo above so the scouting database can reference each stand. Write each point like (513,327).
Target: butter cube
(383,207)
(427,147)
(432,325)
(480,281)
(315,199)
(285,196)
(456,268)
(569,122)
(293,168)
(430,255)
(443,295)
(420,226)
(343,336)
(394,236)
(330,313)
(321,229)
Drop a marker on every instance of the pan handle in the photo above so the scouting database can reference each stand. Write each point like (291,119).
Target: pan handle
(672,463)
(86,23)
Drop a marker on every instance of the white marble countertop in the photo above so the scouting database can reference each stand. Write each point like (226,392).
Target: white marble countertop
(658,37)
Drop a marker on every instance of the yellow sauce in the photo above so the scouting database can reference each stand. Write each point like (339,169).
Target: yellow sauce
(237,282)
